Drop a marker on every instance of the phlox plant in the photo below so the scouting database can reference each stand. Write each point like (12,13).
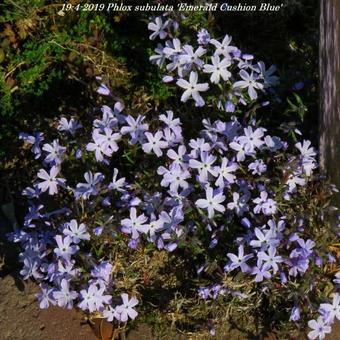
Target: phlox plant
(134,214)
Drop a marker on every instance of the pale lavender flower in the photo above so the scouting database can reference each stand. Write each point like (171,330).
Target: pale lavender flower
(268,74)
(203,37)
(225,172)
(223,47)
(293,181)
(126,310)
(98,231)
(106,202)
(169,120)
(33,214)
(65,248)
(271,258)
(173,51)
(54,152)
(133,243)
(204,293)
(306,246)
(204,167)
(154,227)
(192,89)
(175,177)
(190,57)
(229,106)
(108,119)
(35,141)
(198,145)
(259,201)
(242,150)
(158,28)
(269,207)
(168,79)
(306,150)
(218,69)
(320,329)
(297,263)
(249,81)
(98,146)
(172,219)
(50,181)
(76,232)
(273,143)
(32,193)
(245,62)
(154,143)
(102,271)
(117,112)
(257,167)
(261,271)
(103,90)
(172,136)
(331,311)
(109,141)
(239,204)
(135,128)
(66,270)
(65,296)
(239,261)
(252,139)
(337,278)
(45,297)
(180,156)
(31,267)
(78,153)
(89,299)
(70,126)
(85,190)
(173,48)
(158,58)
(295,314)
(264,239)
(110,314)
(93,299)
(135,224)
(212,202)
(117,184)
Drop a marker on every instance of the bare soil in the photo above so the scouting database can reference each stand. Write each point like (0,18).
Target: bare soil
(21,318)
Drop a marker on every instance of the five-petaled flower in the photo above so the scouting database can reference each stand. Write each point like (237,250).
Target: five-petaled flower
(50,181)
(192,88)
(125,310)
(212,202)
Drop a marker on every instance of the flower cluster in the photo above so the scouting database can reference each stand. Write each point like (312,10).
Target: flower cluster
(234,77)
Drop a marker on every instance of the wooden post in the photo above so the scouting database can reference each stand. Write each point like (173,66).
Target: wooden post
(330,90)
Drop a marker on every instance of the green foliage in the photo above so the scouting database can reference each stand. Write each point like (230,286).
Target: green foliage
(299,108)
